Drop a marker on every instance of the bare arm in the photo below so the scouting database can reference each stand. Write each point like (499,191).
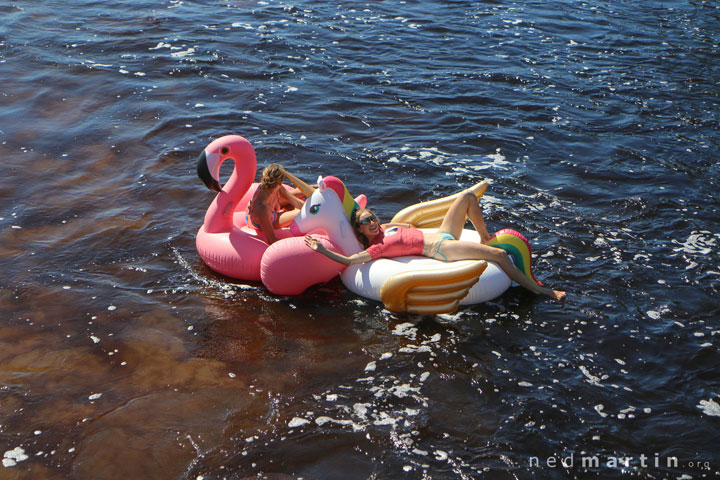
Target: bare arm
(358,258)
(262,215)
(294,201)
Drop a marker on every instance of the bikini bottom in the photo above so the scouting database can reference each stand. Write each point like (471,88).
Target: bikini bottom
(248,220)
(435,249)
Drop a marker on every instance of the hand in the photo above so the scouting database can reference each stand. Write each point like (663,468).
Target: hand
(314,244)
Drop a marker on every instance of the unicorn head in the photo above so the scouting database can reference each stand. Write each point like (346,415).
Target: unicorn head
(329,210)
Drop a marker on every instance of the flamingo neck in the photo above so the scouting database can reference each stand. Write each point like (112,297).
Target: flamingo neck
(219,216)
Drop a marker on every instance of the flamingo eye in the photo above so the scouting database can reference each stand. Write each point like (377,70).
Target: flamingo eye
(225,150)
(315,209)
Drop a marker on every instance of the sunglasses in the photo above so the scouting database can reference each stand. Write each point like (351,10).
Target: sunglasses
(367,220)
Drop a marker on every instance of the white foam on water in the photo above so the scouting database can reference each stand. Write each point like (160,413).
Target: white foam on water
(12,457)
(700,242)
(710,407)
(227,289)
(320,421)
(656,314)
(297,422)
(592,379)
(183,53)
(405,330)
(415,349)
(160,45)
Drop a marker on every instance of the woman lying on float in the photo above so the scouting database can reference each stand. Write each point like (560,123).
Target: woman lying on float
(394,240)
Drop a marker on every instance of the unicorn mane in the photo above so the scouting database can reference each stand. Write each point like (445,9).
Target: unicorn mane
(349,204)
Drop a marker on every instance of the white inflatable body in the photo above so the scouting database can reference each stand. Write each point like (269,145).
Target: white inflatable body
(412,284)
(368,279)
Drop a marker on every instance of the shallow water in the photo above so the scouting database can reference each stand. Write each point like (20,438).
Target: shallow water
(596,124)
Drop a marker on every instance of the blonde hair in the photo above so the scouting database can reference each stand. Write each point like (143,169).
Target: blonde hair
(272,176)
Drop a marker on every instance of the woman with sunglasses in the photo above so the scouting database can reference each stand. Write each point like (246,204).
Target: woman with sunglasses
(395,240)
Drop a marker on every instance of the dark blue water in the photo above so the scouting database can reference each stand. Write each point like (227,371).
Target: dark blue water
(596,124)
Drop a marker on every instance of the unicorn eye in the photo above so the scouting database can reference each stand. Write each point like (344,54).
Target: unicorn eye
(315,209)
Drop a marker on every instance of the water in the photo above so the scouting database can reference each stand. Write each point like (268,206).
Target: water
(596,123)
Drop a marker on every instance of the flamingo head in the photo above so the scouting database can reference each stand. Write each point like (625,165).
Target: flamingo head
(232,147)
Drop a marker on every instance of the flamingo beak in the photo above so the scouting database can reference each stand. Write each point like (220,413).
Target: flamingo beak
(204,173)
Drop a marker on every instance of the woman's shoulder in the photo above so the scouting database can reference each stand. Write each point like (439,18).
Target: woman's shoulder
(260,198)
(261,194)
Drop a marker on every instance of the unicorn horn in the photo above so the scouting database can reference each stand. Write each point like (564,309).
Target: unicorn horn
(306,189)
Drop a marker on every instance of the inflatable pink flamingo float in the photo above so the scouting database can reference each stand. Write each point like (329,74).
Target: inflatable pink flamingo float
(228,246)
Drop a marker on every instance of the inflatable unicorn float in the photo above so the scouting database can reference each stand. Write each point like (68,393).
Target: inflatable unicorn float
(409,284)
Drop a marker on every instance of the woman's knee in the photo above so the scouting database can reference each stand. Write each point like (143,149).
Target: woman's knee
(464,200)
(468,197)
(501,256)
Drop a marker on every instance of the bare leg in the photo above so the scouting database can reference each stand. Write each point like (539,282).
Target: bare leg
(460,250)
(295,192)
(286,218)
(465,206)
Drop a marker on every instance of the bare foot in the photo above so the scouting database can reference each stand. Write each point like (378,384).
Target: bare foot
(557,295)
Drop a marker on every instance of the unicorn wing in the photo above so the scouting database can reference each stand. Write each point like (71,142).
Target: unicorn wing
(430,292)
(430,214)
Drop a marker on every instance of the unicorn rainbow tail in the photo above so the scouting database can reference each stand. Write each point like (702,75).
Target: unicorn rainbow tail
(517,246)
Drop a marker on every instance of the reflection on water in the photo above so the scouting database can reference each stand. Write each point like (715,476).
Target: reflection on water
(122,355)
